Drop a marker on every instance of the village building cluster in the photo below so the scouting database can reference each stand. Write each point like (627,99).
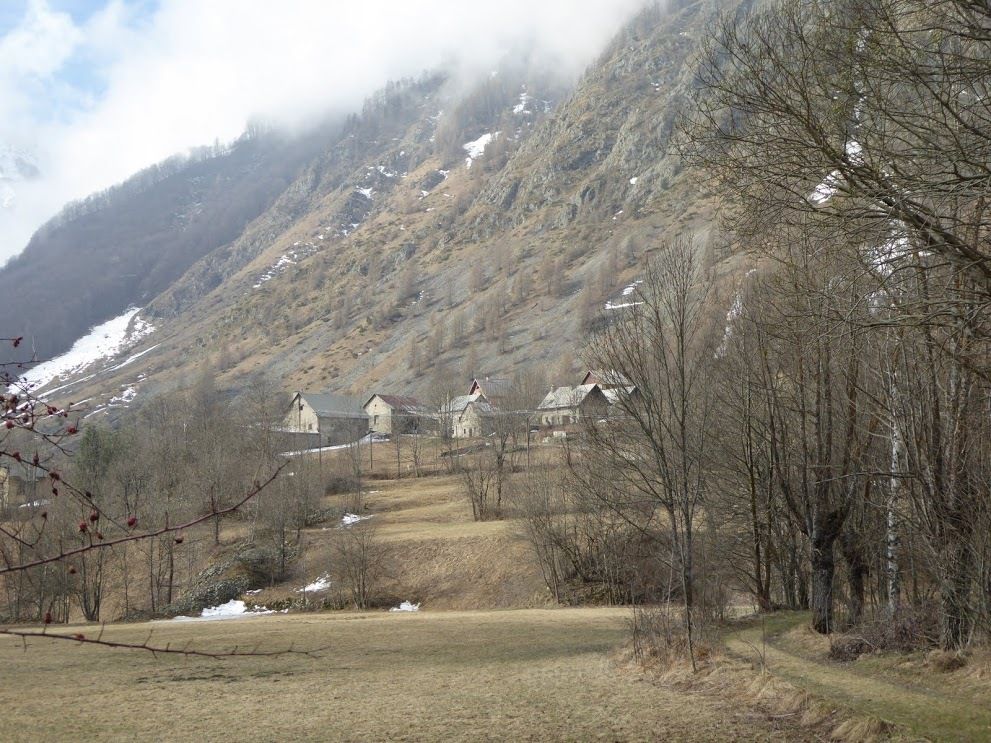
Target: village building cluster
(329,420)
(315,420)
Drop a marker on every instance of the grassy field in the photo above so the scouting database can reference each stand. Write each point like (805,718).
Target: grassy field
(501,675)
(907,690)
(433,553)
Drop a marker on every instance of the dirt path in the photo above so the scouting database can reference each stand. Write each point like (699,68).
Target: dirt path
(925,712)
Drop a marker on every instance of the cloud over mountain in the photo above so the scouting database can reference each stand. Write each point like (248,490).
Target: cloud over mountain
(98,95)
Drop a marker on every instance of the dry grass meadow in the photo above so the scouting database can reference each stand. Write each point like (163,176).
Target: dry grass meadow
(497,675)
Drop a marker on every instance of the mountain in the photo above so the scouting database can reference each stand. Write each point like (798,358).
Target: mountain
(442,231)
(124,246)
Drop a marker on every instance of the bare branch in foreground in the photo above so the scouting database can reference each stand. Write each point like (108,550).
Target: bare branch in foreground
(168,648)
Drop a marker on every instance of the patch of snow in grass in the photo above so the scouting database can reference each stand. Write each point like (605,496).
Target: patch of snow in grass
(320,584)
(124,397)
(633,180)
(284,261)
(621,305)
(352,518)
(233,609)
(366,192)
(627,292)
(135,357)
(406,606)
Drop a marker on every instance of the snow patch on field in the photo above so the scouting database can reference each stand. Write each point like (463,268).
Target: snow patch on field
(128,395)
(103,341)
(352,518)
(320,584)
(233,609)
(406,606)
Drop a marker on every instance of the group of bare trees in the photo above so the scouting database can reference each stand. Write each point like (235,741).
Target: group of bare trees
(819,433)
(115,511)
(822,432)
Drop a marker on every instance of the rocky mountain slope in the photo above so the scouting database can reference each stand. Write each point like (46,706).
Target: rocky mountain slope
(441,233)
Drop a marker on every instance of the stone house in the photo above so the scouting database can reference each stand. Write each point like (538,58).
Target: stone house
(467,416)
(565,406)
(331,419)
(395,413)
(475,420)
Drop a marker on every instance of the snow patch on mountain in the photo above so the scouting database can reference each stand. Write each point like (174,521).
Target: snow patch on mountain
(476,147)
(521,107)
(624,297)
(103,341)
(298,252)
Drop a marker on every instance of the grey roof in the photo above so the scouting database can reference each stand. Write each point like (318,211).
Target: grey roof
(613,394)
(459,403)
(401,403)
(327,405)
(483,406)
(493,386)
(566,397)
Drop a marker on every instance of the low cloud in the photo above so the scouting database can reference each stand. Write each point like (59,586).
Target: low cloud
(96,100)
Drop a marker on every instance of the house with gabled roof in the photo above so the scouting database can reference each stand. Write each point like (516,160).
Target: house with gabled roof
(607,379)
(475,420)
(452,414)
(492,388)
(388,414)
(334,419)
(565,406)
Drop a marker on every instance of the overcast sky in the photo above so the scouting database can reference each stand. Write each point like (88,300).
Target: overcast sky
(97,89)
